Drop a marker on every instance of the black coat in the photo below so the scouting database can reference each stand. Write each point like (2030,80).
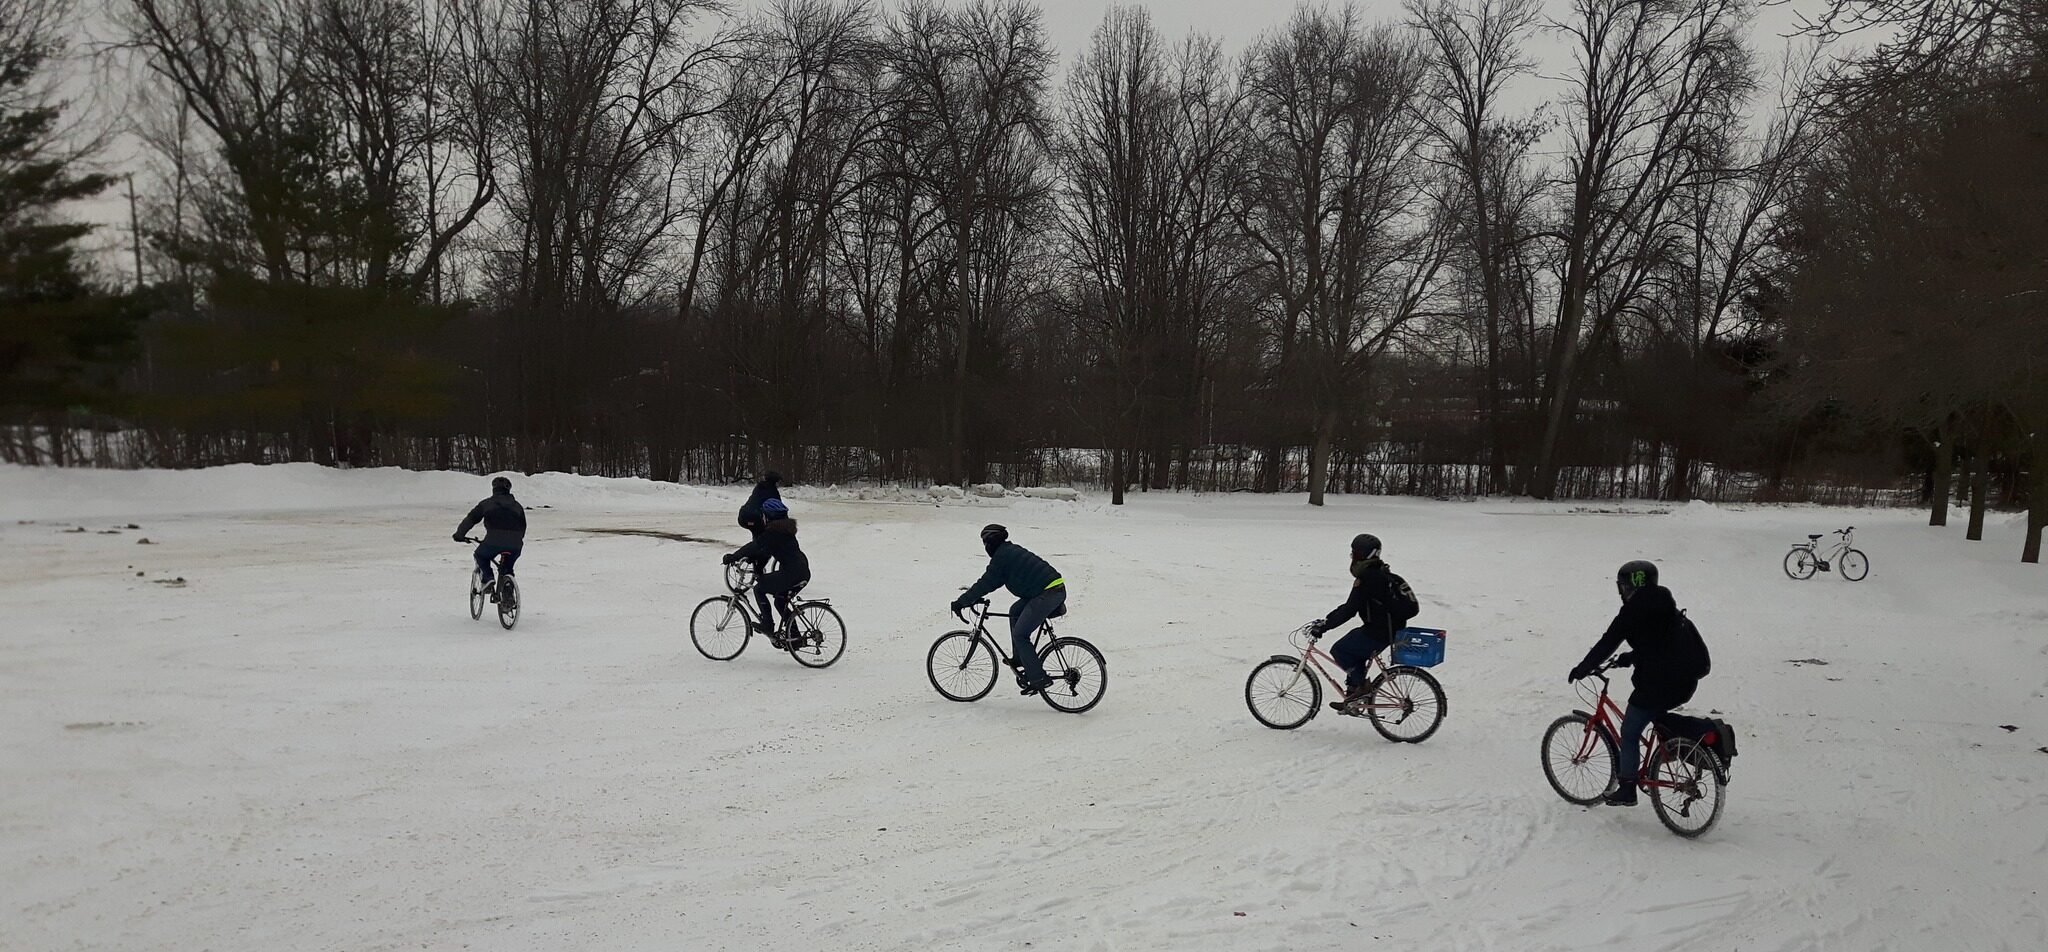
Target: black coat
(1011,566)
(750,513)
(1669,657)
(504,521)
(1380,600)
(778,541)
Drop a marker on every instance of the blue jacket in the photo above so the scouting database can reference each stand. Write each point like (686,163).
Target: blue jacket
(1012,566)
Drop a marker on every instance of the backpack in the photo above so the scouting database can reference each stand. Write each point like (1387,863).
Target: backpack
(1689,650)
(1404,605)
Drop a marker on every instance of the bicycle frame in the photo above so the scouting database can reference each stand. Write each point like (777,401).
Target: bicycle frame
(1843,542)
(981,634)
(1313,656)
(1607,716)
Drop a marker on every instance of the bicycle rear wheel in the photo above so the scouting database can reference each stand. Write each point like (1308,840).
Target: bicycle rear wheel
(1079,675)
(1406,705)
(1283,693)
(1800,563)
(961,667)
(508,601)
(820,636)
(1686,787)
(1855,565)
(719,628)
(476,594)
(1578,760)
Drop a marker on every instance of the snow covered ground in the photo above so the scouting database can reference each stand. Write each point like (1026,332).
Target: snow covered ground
(309,745)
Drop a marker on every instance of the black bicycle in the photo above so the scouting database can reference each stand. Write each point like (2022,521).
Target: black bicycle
(504,591)
(812,632)
(963,664)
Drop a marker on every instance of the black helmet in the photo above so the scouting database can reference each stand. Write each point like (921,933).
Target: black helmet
(1634,574)
(501,485)
(993,535)
(1365,545)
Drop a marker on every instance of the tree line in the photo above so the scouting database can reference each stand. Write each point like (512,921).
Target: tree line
(672,239)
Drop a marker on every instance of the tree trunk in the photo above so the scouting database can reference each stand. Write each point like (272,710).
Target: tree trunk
(2037,499)
(1944,479)
(1980,483)
(1680,485)
(1270,466)
(1116,476)
(1319,458)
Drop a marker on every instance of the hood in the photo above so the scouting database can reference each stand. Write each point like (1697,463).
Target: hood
(786,526)
(1651,601)
(1360,568)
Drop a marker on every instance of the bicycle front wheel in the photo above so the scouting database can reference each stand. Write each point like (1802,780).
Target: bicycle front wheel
(719,629)
(1686,788)
(1283,693)
(508,601)
(819,636)
(1079,675)
(1799,563)
(961,667)
(1855,565)
(739,575)
(1578,760)
(476,594)
(1406,705)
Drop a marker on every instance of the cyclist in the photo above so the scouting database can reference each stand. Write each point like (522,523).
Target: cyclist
(1667,653)
(776,540)
(504,522)
(1381,601)
(1041,594)
(750,513)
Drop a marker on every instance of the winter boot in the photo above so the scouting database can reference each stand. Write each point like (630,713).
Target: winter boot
(1624,795)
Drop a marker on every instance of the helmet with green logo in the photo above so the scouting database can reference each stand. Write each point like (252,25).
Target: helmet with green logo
(1633,575)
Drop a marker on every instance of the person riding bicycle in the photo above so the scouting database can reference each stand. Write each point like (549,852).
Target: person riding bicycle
(1667,652)
(776,540)
(1041,594)
(1381,601)
(750,512)
(504,522)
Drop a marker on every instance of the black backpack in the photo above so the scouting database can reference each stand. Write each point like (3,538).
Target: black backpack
(1689,650)
(1712,733)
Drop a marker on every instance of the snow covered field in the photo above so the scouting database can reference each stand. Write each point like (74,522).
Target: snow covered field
(309,745)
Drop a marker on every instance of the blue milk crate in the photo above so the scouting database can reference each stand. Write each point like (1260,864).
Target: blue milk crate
(1420,647)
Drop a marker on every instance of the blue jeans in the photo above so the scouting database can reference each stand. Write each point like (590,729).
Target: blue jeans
(1633,720)
(1025,617)
(485,552)
(1354,650)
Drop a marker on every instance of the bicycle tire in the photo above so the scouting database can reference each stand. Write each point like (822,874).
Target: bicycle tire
(1393,687)
(711,638)
(476,594)
(1855,565)
(971,662)
(1080,675)
(1800,563)
(1695,777)
(820,636)
(508,601)
(1283,678)
(1561,743)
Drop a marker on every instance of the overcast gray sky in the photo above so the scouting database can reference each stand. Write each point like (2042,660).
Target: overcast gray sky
(1233,23)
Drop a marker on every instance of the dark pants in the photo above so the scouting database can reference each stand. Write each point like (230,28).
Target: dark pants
(780,584)
(1633,720)
(485,552)
(1025,617)
(1355,649)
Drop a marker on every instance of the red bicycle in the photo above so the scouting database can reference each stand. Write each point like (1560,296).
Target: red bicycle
(1686,780)
(1404,703)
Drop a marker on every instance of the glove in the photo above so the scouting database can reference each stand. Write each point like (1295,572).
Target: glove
(1623,660)
(1317,627)
(459,537)
(960,605)
(1579,674)
(731,557)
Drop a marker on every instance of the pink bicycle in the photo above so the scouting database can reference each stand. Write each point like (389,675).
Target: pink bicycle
(1404,702)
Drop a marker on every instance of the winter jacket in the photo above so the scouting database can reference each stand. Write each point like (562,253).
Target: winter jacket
(1012,566)
(778,541)
(1669,656)
(750,514)
(504,521)
(1380,600)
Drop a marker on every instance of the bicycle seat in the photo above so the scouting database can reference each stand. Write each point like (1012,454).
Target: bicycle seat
(1060,612)
(1814,536)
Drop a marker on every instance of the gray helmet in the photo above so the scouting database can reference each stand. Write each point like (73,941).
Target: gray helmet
(1634,575)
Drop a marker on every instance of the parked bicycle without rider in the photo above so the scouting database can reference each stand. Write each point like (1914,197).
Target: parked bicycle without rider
(1041,593)
(504,522)
(1669,658)
(776,540)
(1381,601)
